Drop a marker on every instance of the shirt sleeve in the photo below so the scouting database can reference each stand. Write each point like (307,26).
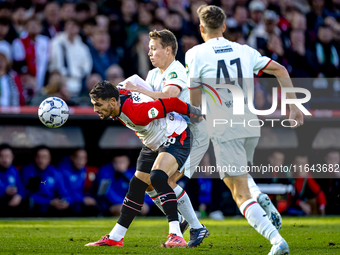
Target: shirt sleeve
(192,69)
(259,62)
(143,113)
(176,77)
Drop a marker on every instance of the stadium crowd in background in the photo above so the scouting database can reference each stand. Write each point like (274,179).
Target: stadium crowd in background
(63,48)
(74,189)
(110,39)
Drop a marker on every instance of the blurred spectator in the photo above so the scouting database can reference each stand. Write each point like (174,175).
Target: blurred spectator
(67,11)
(19,17)
(256,10)
(31,53)
(84,98)
(193,24)
(179,7)
(71,57)
(102,23)
(11,93)
(115,74)
(73,169)
(56,87)
(93,8)
(330,182)
(309,196)
(102,54)
(336,9)
(140,63)
(11,188)
(52,22)
(327,53)
(112,184)
(260,35)
(188,41)
(174,23)
(227,6)
(261,98)
(239,19)
(88,31)
(116,27)
(44,185)
(317,15)
(5,46)
(6,9)
(129,11)
(302,60)
(37,8)
(274,49)
(83,12)
(161,13)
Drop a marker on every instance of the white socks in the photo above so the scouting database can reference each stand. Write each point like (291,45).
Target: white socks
(174,228)
(183,204)
(258,219)
(153,195)
(253,188)
(118,232)
(185,208)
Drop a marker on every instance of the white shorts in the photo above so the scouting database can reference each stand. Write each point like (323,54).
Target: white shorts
(232,156)
(200,145)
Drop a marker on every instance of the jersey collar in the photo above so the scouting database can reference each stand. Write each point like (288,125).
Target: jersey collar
(215,39)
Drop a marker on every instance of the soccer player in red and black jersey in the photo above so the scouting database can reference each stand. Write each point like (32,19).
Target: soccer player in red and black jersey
(166,140)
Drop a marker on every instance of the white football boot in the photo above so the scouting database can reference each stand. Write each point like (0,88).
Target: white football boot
(272,213)
(281,248)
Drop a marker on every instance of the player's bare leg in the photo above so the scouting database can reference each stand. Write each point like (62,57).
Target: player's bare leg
(253,212)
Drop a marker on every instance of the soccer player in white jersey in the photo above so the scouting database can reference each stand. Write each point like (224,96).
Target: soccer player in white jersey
(168,79)
(225,62)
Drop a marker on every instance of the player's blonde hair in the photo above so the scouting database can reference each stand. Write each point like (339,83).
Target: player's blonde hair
(167,38)
(211,16)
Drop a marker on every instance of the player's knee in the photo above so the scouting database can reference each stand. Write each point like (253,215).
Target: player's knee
(136,187)
(158,178)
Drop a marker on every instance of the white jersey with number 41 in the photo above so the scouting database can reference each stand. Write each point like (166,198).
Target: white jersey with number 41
(219,61)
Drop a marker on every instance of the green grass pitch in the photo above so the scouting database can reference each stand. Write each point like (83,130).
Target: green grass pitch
(231,236)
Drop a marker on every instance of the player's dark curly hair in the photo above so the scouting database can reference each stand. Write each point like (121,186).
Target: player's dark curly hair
(104,90)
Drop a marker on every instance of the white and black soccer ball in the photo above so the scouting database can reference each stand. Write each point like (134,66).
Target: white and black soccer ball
(53,112)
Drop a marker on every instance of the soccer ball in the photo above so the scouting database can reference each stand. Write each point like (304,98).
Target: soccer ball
(53,112)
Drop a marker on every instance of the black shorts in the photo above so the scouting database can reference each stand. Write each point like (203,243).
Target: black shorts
(178,146)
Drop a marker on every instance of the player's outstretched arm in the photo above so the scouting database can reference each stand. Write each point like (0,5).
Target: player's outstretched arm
(169,91)
(281,73)
(144,113)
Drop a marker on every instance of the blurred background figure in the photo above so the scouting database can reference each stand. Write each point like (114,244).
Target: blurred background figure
(115,74)
(102,54)
(309,197)
(112,183)
(52,21)
(73,170)
(11,92)
(11,189)
(330,184)
(5,46)
(71,57)
(84,98)
(31,53)
(56,87)
(44,186)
